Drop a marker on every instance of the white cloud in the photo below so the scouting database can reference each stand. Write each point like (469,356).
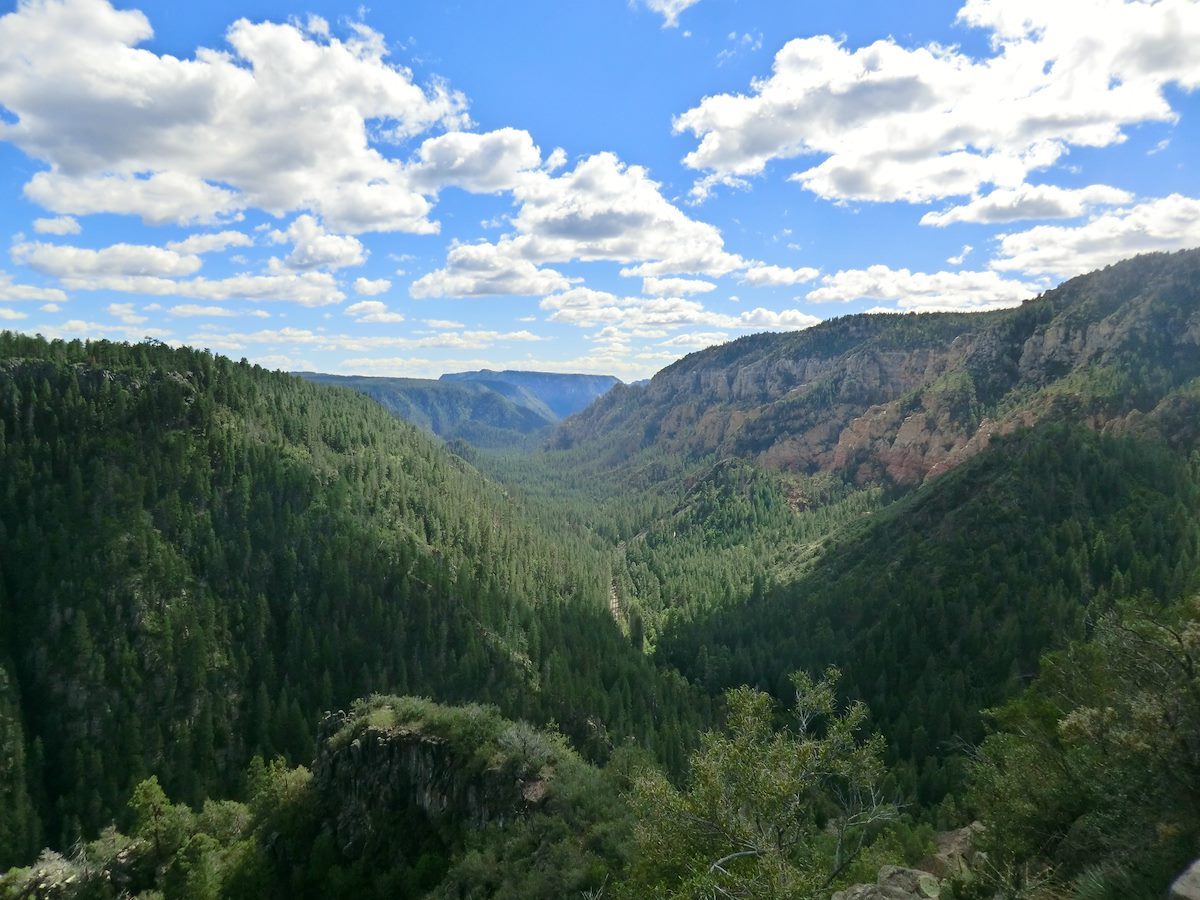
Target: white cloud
(315,248)
(1029,201)
(61,225)
(937,291)
(213,242)
(11,291)
(50,308)
(696,340)
(480,163)
(80,328)
(191,310)
(159,198)
(602,210)
(443,323)
(304,289)
(606,210)
(235,342)
(961,257)
(892,123)
(738,43)
(1169,223)
(675,287)
(124,312)
(71,263)
(761,275)
(11,315)
(669,10)
(654,316)
(371,287)
(372,311)
(283,120)
(484,270)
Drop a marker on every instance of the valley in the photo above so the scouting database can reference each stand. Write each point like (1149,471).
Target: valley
(505,634)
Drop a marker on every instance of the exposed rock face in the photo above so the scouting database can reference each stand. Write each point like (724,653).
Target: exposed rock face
(898,398)
(955,852)
(894,883)
(385,774)
(1187,885)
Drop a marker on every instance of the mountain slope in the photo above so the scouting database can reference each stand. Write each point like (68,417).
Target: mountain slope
(940,604)
(563,395)
(897,398)
(198,557)
(480,413)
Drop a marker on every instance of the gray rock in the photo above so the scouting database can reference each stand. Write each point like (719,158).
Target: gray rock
(894,883)
(1187,885)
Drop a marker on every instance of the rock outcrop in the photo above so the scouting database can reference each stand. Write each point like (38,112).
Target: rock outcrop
(1187,885)
(366,781)
(900,398)
(895,883)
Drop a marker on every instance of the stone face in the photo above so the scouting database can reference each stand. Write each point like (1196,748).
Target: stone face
(955,851)
(894,883)
(1187,885)
(902,399)
(383,773)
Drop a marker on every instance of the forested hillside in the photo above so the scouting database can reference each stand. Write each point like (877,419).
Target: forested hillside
(562,394)
(894,398)
(468,411)
(940,605)
(756,611)
(198,558)
(485,408)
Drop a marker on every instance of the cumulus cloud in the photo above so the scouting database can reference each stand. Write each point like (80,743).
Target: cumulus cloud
(191,310)
(959,258)
(61,225)
(315,248)
(487,270)
(213,242)
(1029,201)
(481,163)
(110,273)
(676,287)
(696,340)
(158,198)
(602,210)
(1169,223)
(12,291)
(921,291)
(283,119)
(76,263)
(371,287)
(654,316)
(443,323)
(372,311)
(11,315)
(893,123)
(236,342)
(124,312)
(762,275)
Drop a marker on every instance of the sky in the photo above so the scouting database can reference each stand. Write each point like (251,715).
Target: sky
(596,186)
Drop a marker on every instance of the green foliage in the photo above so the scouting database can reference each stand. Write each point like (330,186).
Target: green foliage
(942,603)
(211,555)
(1091,775)
(767,812)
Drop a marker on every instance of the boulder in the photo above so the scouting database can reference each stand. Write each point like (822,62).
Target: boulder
(894,883)
(1187,885)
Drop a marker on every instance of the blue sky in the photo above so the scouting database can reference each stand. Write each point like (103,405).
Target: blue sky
(590,186)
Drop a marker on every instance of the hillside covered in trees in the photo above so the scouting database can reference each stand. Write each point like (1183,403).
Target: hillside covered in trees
(754,629)
(198,558)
